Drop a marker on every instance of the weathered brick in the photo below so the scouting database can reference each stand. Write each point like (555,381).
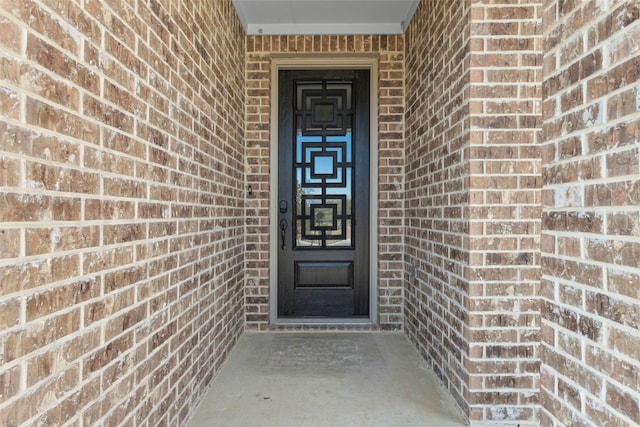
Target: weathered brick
(157,149)
(65,267)
(101,102)
(54,300)
(38,335)
(46,240)
(596,228)
(125,321)
(10,313)
(10,382)
(625,402)
(11,242)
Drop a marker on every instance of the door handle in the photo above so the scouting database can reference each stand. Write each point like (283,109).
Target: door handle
(283,229)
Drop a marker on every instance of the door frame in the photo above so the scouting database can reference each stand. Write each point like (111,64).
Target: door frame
(311,62)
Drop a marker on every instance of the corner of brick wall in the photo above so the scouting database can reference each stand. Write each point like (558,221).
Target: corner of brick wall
(437,190)
(591,221)
(473,203)
(121,188)
(390,49)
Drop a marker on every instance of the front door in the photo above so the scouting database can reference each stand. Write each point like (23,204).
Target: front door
(323,193)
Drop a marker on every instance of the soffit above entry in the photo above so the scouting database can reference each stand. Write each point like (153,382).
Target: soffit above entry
(325,16)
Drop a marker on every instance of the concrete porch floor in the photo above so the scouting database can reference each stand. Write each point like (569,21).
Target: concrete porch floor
(325,379)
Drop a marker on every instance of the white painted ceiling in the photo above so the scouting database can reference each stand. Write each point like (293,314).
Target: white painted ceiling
(325,16)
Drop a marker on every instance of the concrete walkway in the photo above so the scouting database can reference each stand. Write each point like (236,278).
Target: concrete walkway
(325,379)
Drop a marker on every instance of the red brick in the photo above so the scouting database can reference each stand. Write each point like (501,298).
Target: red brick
(151,102)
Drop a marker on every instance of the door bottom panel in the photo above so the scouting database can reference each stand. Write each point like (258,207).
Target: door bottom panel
(321,274)
(323,303)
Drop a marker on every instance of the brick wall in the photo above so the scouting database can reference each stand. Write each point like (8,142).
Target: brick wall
(591,223)
(121,188)
(391,163)
(437,188)
(122,173)
(473,202)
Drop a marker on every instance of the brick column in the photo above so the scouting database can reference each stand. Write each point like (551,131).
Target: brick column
(504,211)
(473,202)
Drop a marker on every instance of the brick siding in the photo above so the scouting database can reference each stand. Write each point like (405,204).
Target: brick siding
(473,202)
(437,189)
(591,222)
(122,180)
(131,257)
(391,164)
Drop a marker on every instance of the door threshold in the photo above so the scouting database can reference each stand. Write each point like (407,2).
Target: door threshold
(323,321)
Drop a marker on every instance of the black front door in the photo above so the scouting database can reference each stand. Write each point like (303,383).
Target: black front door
(323,193)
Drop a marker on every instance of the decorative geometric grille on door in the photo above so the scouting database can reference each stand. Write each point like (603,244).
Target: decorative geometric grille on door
(324,165)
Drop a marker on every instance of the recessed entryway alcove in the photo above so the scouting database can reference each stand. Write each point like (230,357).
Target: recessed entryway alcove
(139,218)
